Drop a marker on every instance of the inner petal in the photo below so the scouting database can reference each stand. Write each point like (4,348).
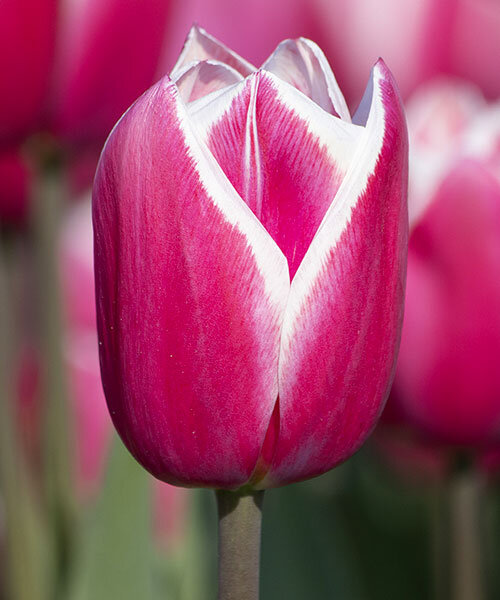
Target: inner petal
(204,77)
(284,155)
(202,46)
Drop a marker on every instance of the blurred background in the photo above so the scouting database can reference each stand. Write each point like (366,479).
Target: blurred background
(416,513)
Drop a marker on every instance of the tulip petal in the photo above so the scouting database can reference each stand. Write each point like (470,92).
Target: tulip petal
(301,63)
(202,46)
(191,291)
(284,155)
(342,326)
(204,77)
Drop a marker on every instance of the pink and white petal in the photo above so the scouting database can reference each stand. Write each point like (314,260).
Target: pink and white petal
(301,63)
(200,45)
(342,326)
(191,293)
(198,79)
(284,155)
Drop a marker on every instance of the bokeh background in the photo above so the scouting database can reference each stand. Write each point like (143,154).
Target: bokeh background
(419,505)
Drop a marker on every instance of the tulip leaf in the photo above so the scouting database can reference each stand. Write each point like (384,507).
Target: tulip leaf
(115,558)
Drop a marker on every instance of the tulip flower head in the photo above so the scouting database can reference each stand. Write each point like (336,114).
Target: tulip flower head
(250,252)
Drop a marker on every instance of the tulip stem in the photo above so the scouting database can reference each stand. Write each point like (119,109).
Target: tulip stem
(465,488)
(457,535)
(240,517)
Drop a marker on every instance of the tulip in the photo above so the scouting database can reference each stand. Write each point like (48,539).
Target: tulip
(447,383)
(250,261)
(464,33)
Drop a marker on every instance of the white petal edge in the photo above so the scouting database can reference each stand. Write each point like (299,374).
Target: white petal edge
(271,262)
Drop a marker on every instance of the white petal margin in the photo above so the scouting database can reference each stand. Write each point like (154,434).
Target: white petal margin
(340,138)
(302,64)
(197,79)
(200,45)
(339,214)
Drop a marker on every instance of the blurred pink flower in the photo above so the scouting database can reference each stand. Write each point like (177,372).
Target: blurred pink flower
(27,34)
(107,54)
(417,40)
(448,381)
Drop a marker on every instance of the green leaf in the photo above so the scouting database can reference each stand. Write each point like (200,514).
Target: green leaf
(115,555)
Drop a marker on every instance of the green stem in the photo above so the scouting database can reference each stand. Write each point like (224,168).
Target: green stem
(458,559)
(465,541)
(48,205)
(240,517)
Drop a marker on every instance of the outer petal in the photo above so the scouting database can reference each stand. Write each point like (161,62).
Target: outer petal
(448,369)
(202,46)
(191,291)
(284,155)
(302,64)
(108,54)
(342,325)
(204,77)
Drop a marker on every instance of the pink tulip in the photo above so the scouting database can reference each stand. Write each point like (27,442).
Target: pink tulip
(107,54)
(250,263)
(27,33)
(448,381)
(417,39)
